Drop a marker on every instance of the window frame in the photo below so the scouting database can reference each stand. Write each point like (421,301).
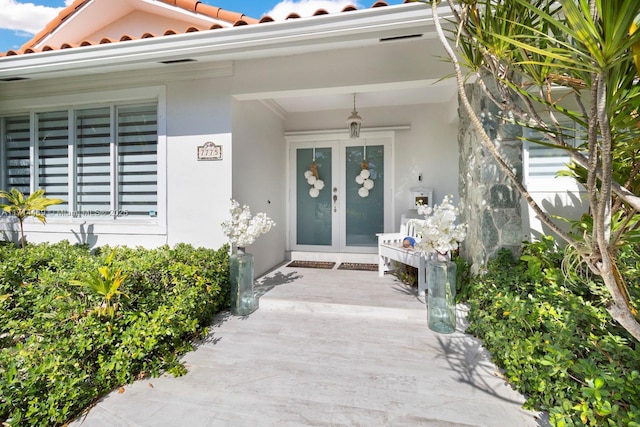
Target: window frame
(73,103)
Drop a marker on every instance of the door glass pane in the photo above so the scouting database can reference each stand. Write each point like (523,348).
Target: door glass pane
(313,213)
(365,206)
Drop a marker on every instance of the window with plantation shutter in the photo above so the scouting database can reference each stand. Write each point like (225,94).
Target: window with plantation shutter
(93,160)
(102,161)
(16,153)
(138,160)
(53,155)
(544,162)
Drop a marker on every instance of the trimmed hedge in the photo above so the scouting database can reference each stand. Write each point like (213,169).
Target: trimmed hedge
(554,339)
(58,355)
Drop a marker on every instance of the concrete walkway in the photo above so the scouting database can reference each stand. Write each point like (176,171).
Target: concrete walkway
(326,348)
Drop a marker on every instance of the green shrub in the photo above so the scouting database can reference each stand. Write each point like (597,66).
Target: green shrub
(555,345)
(57,354)
(463,278)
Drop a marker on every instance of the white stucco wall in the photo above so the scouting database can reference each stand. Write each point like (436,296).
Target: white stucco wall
(561,197)
(259,174)
(198,107)
(190,192)
(196,190)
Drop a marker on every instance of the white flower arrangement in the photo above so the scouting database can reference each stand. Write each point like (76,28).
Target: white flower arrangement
(439,232)
(242,230)
(314,180)
(364,179)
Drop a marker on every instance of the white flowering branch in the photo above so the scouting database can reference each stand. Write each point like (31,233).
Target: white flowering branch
(439,232)
(242,230)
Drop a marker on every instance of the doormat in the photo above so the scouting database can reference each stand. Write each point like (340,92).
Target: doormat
(312,264)
(358,266)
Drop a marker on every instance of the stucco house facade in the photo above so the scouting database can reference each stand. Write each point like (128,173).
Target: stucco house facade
(148,116)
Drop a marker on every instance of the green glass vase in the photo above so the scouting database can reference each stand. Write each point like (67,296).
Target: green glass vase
(244,301)
(441,296)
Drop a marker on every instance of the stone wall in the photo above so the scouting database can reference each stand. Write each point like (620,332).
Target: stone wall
(490,204)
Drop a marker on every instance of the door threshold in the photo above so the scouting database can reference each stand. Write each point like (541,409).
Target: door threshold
(333,257)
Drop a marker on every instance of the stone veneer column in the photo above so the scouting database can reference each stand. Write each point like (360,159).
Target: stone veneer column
(490,204)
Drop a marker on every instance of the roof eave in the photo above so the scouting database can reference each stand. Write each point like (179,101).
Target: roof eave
(301,35)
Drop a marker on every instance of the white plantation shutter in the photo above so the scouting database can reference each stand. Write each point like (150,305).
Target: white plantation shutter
(16,155)
(93,160)
(138,160)
(53,155)
(545,162)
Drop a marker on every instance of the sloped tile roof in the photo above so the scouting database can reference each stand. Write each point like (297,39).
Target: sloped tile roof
(233,19)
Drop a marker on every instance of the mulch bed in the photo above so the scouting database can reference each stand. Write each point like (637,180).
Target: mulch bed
(358,266)
(312,264)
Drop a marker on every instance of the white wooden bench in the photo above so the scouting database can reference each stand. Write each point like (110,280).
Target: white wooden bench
(390,249)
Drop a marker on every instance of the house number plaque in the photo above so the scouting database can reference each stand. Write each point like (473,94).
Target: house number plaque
(210,151)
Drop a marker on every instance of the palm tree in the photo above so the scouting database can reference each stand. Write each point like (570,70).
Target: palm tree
(22,208)
(531,48)
(106,282)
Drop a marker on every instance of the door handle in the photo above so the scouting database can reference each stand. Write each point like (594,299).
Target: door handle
(335,202)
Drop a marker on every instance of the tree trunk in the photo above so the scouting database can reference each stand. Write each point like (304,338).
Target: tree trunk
(22,241)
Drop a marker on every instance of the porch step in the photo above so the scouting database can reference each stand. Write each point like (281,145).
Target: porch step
(339,292)
(275,304)
(344,293)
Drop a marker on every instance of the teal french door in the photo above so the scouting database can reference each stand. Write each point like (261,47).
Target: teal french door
(340,214)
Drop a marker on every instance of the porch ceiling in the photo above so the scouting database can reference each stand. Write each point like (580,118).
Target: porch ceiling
(426,92)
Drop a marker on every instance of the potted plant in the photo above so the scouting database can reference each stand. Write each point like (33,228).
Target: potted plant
(439,237)
(243,230)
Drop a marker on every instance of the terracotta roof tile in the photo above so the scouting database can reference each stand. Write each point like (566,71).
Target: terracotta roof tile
(232,18)
(187,4)
(55,22)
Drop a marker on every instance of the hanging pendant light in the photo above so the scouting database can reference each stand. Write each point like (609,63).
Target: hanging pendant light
(354,121)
